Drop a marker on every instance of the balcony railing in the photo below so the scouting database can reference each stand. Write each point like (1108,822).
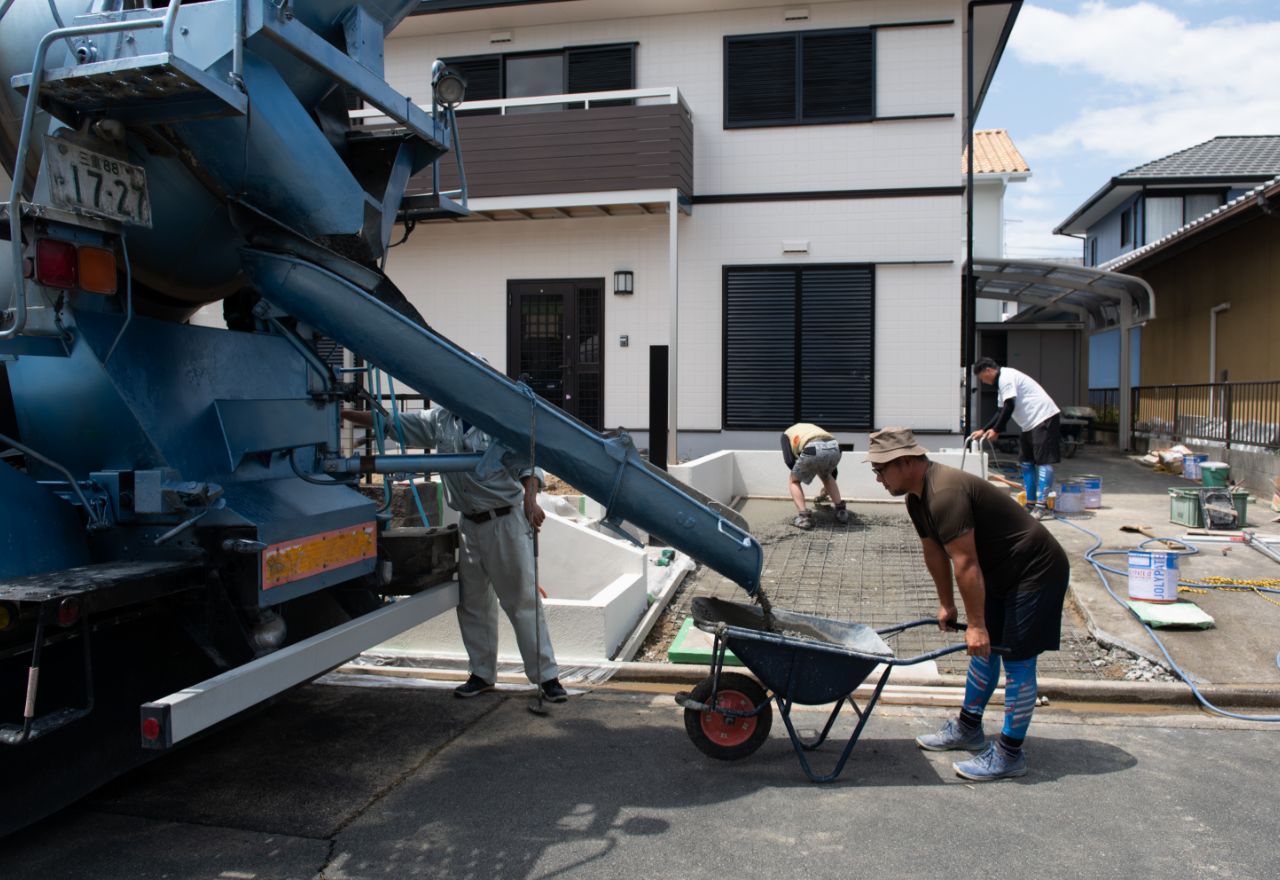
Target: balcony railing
(592,142)
(1235,414)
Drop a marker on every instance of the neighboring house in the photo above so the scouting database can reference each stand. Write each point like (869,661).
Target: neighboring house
(996,164)
(1149,202)
(775,187)
(1218,283)
(1217,280)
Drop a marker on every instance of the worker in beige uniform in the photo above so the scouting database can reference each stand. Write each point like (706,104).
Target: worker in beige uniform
(500,515)
(811,452)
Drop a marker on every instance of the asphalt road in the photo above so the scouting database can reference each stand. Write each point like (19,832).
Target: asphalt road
(350,782)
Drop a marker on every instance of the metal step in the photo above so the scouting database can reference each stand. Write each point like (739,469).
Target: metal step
(149,88)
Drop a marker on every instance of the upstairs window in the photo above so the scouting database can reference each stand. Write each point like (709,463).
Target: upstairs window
(802,78)
(1126,228)
(557,72)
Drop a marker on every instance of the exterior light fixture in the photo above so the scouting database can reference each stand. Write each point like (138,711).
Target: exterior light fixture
(447,85)
(623,282)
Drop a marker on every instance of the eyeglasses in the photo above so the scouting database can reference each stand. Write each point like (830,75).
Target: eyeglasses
(879,469)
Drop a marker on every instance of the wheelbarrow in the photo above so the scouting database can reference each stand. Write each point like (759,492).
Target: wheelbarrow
(802,660)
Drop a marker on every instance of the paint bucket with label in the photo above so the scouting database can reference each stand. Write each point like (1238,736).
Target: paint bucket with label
(1191,466)
(1092,491)
(1153,577)
(1070,497)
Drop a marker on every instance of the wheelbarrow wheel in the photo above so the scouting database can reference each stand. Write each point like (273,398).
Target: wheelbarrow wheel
(724,737)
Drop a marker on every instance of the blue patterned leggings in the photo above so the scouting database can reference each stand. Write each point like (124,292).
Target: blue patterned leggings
(1019,691)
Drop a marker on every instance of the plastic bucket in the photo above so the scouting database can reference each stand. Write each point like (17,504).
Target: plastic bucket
(1153,577)
(1070,497)
(1191,466)
(1214,474)
(1092,491)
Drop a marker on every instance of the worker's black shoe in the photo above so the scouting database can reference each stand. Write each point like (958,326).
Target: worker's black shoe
(472,687)
(553,691)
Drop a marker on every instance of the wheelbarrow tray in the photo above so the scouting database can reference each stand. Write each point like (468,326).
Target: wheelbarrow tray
(803,659)
(811,660)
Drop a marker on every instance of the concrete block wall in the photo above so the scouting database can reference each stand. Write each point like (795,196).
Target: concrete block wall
(761,474)
(596,594)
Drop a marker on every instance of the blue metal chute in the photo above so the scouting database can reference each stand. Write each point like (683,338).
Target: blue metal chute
(610,470)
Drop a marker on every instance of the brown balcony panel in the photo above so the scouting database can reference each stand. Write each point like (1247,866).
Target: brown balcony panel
(571,151)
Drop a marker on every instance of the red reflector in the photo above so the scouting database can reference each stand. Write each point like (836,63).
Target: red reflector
(55,263)
(150,728)
(68,612)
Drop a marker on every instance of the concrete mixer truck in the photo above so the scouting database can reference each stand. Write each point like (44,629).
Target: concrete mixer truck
(180,536)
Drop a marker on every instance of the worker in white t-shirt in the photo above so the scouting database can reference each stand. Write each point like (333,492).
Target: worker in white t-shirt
(1021,398)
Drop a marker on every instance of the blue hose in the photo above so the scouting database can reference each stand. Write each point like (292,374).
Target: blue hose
(1092,557)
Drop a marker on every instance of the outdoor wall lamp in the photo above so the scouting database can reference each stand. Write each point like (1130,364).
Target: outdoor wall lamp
(447,85)
(623,282)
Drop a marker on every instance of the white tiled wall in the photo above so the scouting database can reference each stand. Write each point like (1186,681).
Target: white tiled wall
(918,71)
(458,273)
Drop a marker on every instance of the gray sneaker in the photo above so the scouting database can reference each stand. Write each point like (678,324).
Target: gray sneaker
(842,515)
(952,735)
(992,764)
(803,521)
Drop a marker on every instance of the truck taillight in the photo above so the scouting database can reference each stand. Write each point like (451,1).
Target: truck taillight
(55,263)
(97,269)
(63,264)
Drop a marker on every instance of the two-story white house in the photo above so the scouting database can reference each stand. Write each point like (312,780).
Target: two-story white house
(770,192)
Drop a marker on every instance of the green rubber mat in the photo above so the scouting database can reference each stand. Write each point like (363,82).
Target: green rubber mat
(1159,614)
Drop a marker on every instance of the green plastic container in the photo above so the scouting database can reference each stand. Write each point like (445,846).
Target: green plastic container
(1184,507)
(1214,474)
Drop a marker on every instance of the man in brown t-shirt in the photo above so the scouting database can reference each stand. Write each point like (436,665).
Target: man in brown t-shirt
(1012,576)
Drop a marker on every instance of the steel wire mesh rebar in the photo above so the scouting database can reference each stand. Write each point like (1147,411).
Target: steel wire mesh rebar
(870,571)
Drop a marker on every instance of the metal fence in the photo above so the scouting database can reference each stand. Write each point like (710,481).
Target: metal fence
(1239,414)
(1106,403)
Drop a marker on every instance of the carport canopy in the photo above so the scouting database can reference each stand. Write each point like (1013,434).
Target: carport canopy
(1052,291)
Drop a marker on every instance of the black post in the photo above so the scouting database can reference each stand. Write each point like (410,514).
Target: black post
(658,406)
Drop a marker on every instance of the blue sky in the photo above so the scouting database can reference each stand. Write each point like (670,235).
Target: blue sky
(1089,90)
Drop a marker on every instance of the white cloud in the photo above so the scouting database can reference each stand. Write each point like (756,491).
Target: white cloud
(1161,83)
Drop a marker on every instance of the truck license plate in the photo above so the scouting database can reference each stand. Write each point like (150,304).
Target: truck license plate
(91,183)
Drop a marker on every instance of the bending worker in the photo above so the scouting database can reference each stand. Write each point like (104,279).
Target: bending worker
(811,452)
(499,518)
(1020,396)
(1012,576)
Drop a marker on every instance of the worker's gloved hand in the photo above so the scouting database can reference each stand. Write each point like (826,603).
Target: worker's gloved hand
(978,641)
(946,617)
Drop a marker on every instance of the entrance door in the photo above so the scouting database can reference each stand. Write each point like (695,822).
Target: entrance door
(555,343)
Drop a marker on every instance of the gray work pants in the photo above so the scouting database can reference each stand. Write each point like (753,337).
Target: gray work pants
(496,557)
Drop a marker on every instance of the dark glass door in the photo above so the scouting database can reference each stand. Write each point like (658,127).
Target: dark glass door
(555,343)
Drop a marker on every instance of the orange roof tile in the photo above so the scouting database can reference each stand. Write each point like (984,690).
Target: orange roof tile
(994,153)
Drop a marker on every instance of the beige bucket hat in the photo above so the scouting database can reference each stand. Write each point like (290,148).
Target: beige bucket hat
(890,443)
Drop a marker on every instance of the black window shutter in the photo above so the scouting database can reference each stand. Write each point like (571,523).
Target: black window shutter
(837,344)
(838,76)
(760,80)
(484,79)
(760,349)
(601,69)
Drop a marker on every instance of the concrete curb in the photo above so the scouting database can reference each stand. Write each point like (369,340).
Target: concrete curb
(1068,689)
